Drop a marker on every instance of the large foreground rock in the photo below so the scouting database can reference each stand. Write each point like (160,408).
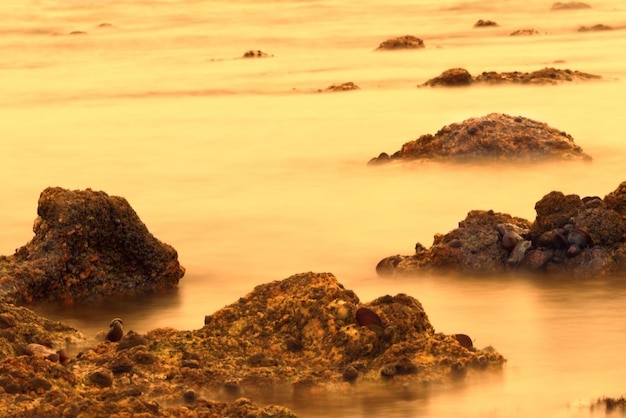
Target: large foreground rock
(494,137)
(570,236)
(304,334)
(87,244)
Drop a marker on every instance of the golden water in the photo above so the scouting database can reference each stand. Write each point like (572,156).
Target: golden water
(253,177)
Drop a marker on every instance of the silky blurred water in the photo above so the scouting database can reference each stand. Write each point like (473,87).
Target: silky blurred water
(253,176)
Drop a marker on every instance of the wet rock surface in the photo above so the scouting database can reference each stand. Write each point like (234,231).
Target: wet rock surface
(494,137)
(546,75)
(302,333)
(572,237)
(87,244)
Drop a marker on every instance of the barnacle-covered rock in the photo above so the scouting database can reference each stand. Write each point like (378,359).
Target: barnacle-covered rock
(570,236)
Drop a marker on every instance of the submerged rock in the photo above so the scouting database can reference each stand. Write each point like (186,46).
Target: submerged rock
(494,137)
(485,23)
(342,87)
(570,236)
(402,42)
(87,244)
(570,5)
(594,28)
(524,32)
(546,75)
(256,54)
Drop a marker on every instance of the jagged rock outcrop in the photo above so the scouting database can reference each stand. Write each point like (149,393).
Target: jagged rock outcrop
(87,244)
(573,237)
(494,137)
(462,77)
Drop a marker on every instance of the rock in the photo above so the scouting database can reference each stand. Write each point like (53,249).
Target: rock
(571,5)
(256,54)
(524,32)
(460,76)
(342,87)
(494,137)
(87,244)
(402,42)
(571,237)
(594,28)
(453,77)
(485,23)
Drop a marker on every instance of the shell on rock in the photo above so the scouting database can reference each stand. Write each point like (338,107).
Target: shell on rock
(510,240)
(579,237)
(365,317)
(573,250)
(535,259)
(116,331)
(543,240)
(464,340)
(519,252)
(46,352)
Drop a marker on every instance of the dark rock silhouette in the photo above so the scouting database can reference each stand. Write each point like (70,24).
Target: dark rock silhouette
(494,137)
(573,237)
(87,244)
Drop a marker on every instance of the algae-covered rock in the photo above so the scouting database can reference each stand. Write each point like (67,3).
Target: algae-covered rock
(298,334)
(87,244)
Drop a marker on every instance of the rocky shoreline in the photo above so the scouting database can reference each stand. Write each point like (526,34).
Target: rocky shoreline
(304,333)
(570,236)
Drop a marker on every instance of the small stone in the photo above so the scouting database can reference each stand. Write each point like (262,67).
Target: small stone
(101,378)
(402,42)
(485,23)
(350,373)
(190,396)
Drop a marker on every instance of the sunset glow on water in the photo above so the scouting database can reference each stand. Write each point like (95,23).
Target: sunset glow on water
(253,176)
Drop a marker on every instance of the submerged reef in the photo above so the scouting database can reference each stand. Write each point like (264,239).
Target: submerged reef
(571,236)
